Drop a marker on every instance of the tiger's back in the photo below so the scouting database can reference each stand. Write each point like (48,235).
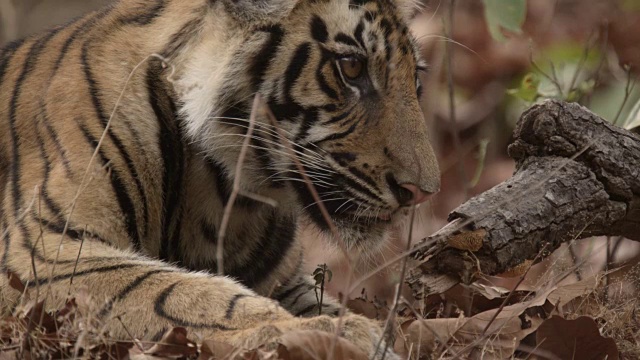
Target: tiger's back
(120,134)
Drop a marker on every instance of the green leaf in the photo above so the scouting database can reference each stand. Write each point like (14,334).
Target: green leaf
(317,271)
(330,273)
(630,5)
(504,14)
(528,90)
(318,278)
(633,119)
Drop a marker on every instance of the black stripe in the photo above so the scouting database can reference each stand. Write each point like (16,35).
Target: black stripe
(340,135)
(311,117)
(360,188)
(267,166)
(371,16)
(56,142)
(99,270)
(160,311)
(180,39)
(220,173)
(59,228)
(123,197)
(224,185)
(343,158)
(345,39)
(268,253)
(362,176)
(209,231)
(358,3)
(387,29)
(287,111)
(128,289)
(6,54)
(340,116)
(232,305)
(289,292)
(262,59)
(51,204)
(297,298)
(147,17)
(90,21)
(29,64)
(319,30)
(172,149)
(358,34)
(322,82)
(306,309)
(294,70)
(6,239)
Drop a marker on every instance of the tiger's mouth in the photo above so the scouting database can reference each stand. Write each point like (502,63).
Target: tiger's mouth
(384,218)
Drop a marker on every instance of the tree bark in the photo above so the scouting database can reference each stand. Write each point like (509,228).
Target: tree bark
(576,176)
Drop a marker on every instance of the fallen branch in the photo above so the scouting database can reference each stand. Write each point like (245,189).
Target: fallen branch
(576,176)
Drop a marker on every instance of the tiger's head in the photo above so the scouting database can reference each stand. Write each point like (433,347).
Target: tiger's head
(342,78)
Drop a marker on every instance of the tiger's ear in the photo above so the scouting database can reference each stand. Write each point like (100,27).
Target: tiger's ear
(409,8)
(259,11)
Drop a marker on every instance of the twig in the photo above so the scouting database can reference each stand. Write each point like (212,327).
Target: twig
(452,107)
(403,272)
(582,61)
(553,80)
(107,126)
(236,187)
(510,295)
(574,259)
(627,92)
(75,266)
(133,339)
(326,217)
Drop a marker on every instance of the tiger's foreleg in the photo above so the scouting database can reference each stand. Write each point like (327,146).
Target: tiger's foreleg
(302,297)
(148,296)
(136,296)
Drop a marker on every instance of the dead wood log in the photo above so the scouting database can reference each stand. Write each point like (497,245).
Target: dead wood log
(576,176)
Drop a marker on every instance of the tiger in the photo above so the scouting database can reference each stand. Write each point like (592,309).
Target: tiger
(161,155)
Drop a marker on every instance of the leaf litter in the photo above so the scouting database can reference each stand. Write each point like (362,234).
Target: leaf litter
(544,322)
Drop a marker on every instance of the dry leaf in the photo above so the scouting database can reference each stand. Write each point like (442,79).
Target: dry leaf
(575,339)
(368,309)
(216,350)
(15,282)
(119,351)
(562,295)
(489,292)
(426,335)
(313,345)
(174,345)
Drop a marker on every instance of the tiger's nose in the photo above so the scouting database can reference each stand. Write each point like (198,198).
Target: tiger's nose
(412,195)
(407,193)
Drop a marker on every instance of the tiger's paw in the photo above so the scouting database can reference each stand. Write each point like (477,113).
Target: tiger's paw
(362,332)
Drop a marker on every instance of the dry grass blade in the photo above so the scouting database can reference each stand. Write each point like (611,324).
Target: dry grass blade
(236,186)
(325,214)
(315,345)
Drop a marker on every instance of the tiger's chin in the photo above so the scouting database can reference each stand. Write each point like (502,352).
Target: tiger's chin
(365,235)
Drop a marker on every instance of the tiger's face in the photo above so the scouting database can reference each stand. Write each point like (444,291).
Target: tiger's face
(342,79)
(346,87)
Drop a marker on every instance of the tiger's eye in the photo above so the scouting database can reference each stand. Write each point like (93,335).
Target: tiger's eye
(351,67)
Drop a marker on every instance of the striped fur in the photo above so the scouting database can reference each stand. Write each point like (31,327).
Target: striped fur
(146,219)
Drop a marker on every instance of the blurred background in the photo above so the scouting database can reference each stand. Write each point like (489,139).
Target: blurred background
(493,58)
